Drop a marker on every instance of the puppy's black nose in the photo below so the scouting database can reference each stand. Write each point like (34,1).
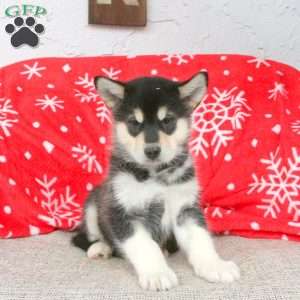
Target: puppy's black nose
(152,152)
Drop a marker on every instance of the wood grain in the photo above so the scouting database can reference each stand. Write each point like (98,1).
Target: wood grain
(116,12)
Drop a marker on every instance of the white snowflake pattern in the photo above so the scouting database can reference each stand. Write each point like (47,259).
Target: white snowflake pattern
(85,81)
(278,89)
(103,113)
(281,186)
(111,73)
(258,61)
(7,117)
(87,158)
(216,213)
(219,114)
(51,103)
(33,70)
(88,94)
(179,59)
(9,235)
(60,207)
(296,126)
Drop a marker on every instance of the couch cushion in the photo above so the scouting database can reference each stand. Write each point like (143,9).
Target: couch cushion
(54,138)
(47,267)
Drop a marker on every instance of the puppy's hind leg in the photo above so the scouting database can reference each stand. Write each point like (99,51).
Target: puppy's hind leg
(90,238)
(99,249)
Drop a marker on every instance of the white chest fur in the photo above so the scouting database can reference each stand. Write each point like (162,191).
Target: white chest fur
(132,194)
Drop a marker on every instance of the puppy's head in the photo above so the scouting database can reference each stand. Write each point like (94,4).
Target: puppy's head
(152,114)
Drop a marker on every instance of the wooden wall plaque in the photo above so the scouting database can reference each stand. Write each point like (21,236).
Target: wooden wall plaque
(118,12)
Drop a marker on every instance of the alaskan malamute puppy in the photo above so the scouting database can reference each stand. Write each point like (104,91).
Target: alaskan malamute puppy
(149,201)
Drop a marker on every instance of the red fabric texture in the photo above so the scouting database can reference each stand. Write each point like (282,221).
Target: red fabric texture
(54,140)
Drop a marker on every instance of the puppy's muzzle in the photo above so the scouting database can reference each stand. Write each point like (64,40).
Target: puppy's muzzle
(152,151)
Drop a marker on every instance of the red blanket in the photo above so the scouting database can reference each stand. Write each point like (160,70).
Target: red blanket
(54,138)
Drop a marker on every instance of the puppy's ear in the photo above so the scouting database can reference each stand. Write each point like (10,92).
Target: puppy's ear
(111,91)
(193,90)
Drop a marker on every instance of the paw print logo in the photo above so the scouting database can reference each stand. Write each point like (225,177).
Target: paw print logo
(24,31)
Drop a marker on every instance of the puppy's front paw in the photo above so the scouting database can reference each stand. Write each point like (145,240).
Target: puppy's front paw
(218,270)
(160,280)
(99,249)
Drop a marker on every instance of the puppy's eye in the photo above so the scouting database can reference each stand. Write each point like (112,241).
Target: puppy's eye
(168,120)
(134,123)
(134,126)
(168,124)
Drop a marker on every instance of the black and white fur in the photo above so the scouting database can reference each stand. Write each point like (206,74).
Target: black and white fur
(149,201)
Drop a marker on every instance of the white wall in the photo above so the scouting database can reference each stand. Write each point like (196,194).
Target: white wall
(257,27)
